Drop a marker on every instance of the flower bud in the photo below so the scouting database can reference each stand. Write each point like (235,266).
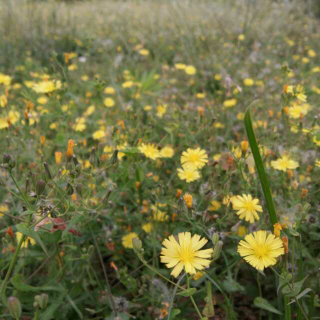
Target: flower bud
(114,158)
(92,158)
(276,229)
(14,307)
(40,186)
(215,238)
(188,200)
(12,163)
(285,242)
(69,189)
(41,300)
(47,170)
(70,149)
(137,244)
(217,250)
(6,158)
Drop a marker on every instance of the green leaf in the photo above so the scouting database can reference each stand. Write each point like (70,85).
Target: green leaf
(174,313)
(27,231)
(231,285)
(50,237)
(303,293)
(76,219)
(60,139)
(293,290)
(18,282)
(260,168)
(187,293)
(284,279)
(294,232)
(265,305)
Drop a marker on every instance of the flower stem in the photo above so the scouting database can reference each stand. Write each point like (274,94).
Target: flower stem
(192,300)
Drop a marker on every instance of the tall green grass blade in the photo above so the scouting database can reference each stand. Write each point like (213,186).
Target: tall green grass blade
(260,168)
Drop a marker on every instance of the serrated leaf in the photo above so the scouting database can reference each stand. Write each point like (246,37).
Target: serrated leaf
(27,231)
(265,305)
(293,290)
(187,293)
(303,293)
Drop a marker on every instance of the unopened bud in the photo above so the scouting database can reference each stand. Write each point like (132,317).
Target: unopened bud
(6,158)
(14,307)
(217,250)
(27,185)
(69,166)
(75,160)
(12,163)
(276,229)
(188,200)
(114,158)
(40,186)
(92,158)
(41,300)
(285,242)
(215,238)
(137,244)
(244,146)
(69,189)
(47,170)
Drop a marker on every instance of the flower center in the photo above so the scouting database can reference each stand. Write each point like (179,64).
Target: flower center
(261,251)
(194,158)
(186,255)
(248,206)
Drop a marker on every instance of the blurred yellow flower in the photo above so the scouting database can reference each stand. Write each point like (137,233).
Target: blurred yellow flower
(127,240)
(149,150)
(188,173)
(26,242)
(284,163)
(166,152)
(248,82)
(46,86)
(109,102)
(194,157)
(109,90)
(99,134)
(161,110)
(230,103)
(147,227)
(190,70)
(214,206)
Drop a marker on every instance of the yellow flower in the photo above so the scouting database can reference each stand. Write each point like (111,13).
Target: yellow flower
(198,275)
(195,157)
(161,110)
(58,157)
(284,163)
(5,79)
(99,134)
(149,150)
(25,243)
(230,103)
(109,102)
(127,84)
(248,82)
(185,253)
(42,100)
(127,240)
(242,231)
(190,70)
(246,207)
(91,109)
(144,52)
(300,93)
(317,163)
(147,227)
(296,111)
(188,200)
(260,250)
(46,86)
(3,101)
(214,206)
(80,124)
(3,208)
(13,116)
(188,173)
(276,229)
(109,90)
(241,37)
(180,66)
(316,140)
(166,152)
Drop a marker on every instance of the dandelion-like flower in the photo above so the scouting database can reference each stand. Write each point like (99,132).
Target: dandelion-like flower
(150,151)
(247,207)
(259,250)
(188,173)
(127,240)
(284,163)
(196,157)
(185,253)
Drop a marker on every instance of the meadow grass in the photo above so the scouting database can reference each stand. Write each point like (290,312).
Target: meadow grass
(160,159)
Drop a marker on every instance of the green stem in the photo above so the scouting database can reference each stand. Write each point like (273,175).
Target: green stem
(260,293)
(192,300)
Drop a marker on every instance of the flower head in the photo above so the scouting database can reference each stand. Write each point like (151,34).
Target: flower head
(150,151)
(247,207)
(188,173)
(196,157)
(70,149)
(260,250)
(127,240)
(185,253)
(284,163)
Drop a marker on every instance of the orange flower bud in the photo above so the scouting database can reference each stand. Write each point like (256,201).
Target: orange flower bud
(58,156)
(290,173)
(244,146)
(188,200)
(276,229)
(70,149)
(201,111)
(10,233)
(304,192)
(42,140)
(286,110)
(179,192)
(285,242)
(138,184)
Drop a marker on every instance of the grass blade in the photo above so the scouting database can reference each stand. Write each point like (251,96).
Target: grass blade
(260,168)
